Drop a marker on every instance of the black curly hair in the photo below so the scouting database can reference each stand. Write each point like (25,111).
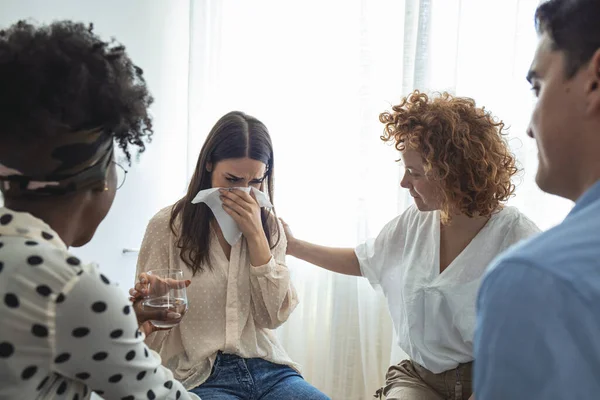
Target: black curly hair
(61,77)
(574,27)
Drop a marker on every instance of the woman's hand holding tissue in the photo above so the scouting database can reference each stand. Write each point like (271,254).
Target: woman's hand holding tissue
(245,211)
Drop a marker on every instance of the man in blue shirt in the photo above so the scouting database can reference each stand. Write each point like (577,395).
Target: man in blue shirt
(538,330)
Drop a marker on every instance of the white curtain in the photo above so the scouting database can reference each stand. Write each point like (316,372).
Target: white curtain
(318,73)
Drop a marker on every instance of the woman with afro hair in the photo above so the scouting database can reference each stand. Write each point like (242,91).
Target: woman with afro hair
(66,97)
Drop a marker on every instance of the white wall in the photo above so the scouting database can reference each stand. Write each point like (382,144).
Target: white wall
(156,35)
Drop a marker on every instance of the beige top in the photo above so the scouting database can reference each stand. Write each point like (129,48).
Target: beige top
(232,309)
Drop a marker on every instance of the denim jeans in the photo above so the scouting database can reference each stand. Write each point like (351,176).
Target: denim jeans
(255,379)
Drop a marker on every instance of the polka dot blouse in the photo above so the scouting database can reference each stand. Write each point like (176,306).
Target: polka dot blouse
(66,330)
(234,307)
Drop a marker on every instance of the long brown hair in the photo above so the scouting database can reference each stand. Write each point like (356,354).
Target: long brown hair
(235,135)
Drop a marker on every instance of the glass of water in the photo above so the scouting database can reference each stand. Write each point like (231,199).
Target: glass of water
(166,291)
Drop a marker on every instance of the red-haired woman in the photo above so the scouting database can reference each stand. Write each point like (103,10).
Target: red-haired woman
(429,260)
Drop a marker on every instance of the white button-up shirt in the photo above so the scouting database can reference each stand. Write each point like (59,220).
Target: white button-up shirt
(433,313)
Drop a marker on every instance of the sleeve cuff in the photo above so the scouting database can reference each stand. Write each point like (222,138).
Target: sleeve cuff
(262,270)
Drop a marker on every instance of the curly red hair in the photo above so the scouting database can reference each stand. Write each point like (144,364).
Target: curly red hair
(463,148)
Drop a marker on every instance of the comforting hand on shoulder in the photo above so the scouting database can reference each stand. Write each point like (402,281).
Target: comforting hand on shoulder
(289,236)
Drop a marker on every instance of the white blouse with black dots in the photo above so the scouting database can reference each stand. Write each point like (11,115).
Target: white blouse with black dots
(65,329)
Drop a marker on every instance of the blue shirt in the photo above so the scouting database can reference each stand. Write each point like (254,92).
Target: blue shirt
(538,324)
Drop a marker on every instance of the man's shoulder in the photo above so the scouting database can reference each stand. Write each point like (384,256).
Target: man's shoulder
(558,249)
(566,255)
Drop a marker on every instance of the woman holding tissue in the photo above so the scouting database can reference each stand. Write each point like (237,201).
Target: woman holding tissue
(228,242)
(430,259)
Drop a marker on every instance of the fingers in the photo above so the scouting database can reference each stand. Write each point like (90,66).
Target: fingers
(141,288)
(284,224)
(236,194)
(238,208)
(286,229)
(178,284)
(143,278)
(135,294)
(236,214)
(245,200)
(143,314)
(148,328)
(149,284)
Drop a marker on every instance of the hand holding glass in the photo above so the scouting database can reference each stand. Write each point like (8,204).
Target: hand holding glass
(166,295)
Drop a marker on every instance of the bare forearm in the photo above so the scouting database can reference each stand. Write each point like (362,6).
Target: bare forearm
(340,260)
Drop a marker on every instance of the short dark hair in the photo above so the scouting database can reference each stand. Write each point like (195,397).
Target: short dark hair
(62,78)
(574,27)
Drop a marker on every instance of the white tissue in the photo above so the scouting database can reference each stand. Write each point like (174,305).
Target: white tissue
(211,197)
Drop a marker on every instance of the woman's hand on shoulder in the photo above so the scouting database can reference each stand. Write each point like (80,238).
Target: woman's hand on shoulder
(291,240)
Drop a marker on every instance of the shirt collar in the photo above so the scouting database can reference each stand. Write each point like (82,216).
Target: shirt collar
(590,196)
(25,225)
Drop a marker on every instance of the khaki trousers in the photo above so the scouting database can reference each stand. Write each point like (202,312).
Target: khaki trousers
(410,381)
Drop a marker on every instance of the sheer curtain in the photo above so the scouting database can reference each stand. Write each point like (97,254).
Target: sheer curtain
(318,73)
(483,49)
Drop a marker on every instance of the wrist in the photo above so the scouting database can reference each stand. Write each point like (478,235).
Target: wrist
(260,252)
(257,239)
(293,247)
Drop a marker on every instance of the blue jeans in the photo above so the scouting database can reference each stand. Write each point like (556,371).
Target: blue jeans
(255,379)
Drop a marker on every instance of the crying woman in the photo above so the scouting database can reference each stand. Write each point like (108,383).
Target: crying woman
(224,236)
